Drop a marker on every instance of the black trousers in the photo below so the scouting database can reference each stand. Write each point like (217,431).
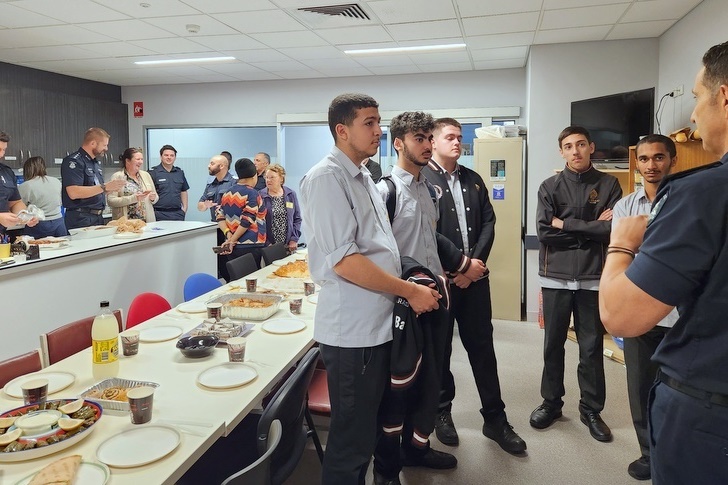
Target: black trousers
(75,219)
(169,215)
(356,379)
(558,305)
(471,308)
(641,373)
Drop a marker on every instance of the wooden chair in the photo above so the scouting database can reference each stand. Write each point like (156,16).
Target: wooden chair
(258,472)
(274,253)
(19,365)
(144,307)
(241,267)
(69,339)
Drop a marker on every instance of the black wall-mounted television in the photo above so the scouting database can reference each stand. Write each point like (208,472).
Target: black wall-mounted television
(615,122)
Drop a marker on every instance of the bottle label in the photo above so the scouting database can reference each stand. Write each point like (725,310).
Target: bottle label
(105,351)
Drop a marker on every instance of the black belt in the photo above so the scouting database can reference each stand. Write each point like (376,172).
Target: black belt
(96,212)
(167,210)
(712,397)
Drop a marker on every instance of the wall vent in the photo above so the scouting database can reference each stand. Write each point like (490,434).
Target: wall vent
(350,10)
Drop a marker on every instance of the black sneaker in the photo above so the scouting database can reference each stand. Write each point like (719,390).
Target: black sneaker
(640,469)
(437,460)
(502,433)
(544,415)
(445,429)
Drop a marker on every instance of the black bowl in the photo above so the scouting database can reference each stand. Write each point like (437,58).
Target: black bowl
(199,346)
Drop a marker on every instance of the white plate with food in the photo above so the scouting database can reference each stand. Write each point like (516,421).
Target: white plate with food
(227,375)
(127,235)
(49,242)
(283,325)
(87,473)
(92,232)
(159,334)
(313,298)
(57,381)
(131,448)
(192,307)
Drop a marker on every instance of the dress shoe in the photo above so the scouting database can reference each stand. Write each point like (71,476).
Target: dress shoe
(502,433)
(437,460)
(598,428)
(445,429)
(640,469)
(380,480)
(544,415)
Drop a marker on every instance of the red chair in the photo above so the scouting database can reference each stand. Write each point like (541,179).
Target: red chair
(318,394)
(18,366)
(144,307)
(69,339)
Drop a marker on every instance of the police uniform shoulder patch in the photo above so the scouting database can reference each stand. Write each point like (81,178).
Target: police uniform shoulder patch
(71,164)
(656,208)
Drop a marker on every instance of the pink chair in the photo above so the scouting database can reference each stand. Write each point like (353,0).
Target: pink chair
(69,339)
(144,307)
(18,366)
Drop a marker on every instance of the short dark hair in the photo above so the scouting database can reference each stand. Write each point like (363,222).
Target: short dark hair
(265,155)
(167,147)
(715,61)
(227,155)
(245,168)
(4,137)
(410,122)
(442,122)
(665,140)
(343,108)
(128,153)
(574,130)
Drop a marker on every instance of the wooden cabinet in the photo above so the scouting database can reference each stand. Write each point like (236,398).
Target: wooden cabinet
(690,154)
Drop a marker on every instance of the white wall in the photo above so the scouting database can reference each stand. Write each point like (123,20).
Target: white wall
(681,51)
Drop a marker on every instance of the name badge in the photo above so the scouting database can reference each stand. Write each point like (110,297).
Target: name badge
(162,180)
(289,205)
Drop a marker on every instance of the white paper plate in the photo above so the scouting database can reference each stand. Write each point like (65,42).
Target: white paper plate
(138,446)
(279,262)
(313,298)
(284,325)
(227,375)
(159,334)
(57,381)
(192,307)
(89,473)
(126,235)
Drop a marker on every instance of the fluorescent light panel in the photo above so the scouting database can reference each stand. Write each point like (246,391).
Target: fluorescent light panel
(184,61)
(405,50)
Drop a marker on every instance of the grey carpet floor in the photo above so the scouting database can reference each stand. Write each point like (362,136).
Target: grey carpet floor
(564,454)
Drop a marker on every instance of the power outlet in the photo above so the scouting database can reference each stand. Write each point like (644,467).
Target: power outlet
(678,91)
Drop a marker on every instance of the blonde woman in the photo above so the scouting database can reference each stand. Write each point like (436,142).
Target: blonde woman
(136,197)
(283,214)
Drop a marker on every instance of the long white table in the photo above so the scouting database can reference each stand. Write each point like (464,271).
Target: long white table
(179,396)
(67,284)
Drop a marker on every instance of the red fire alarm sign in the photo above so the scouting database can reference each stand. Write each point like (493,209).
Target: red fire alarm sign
(138,109)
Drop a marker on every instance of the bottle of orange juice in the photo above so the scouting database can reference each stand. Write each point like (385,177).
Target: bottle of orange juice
(105,346)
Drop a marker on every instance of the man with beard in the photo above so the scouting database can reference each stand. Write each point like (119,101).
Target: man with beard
(83,190)
(210,200)
(354,257)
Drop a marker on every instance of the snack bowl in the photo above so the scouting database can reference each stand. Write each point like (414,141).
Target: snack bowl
(231,308)
(197,346)
(38,422)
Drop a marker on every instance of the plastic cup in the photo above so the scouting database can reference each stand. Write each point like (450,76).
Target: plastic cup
(35,391)
(294,305)
(140,404)
(236,348)
(309,288)
(5,250)
(251,284)
(214,310)
(130,342)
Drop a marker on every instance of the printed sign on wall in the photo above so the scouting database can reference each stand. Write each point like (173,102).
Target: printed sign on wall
(138,109)
(499,192)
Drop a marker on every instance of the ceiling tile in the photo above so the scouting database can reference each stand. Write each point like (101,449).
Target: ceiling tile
(259,55)
(300,74)
(576,34)
(554,4)
(331,64)
(52,53)
(369,45)
(128,30)
(500,40)
(178,25)
(500,64)
(401,11)
(348,72)
(440,57)
(156,8)
(449,67)
(290,39)
(393,70)
(275,66)
(499,24)
(222,6)
(212,78)
(233,68)
(305,53)
(355,35)
(260,21)
(585,16)
(225,43)
(14,17)
(115,49)
(659,10)
(174,45)
(77,11)
(45,36)
(384,60)
(424,42)
(479,8)
(502,53)
(635,30)
(425,30)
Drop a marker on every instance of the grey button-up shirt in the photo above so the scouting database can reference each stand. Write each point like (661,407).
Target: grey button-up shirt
(343,214)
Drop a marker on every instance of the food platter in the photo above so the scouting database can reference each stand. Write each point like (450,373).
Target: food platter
(89,473)
(131,447)
(49,242)
(112,384)
(57,381)
(54,440)
(92,232)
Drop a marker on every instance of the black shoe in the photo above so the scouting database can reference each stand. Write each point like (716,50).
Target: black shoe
(431,459)
(502,433)
(544,415)
(380,480)
(598,428)
(640,469)
(445,429)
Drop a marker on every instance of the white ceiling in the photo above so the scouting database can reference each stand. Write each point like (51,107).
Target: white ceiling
(271,39)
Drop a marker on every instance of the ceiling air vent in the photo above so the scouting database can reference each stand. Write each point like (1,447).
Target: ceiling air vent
(351,10)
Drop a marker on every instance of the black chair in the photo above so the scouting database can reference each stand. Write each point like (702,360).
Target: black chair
(258,472)
(274,253)
(241,266)
(289,405)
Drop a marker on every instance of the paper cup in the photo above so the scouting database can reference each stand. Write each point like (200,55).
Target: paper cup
(140,404)
(309,288)
(294,305)
(35,391)
(130,342)
(236,349)
(251,284)
(214,310)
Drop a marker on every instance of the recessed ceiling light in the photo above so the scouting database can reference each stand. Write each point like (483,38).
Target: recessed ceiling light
(184,61)
(405,50)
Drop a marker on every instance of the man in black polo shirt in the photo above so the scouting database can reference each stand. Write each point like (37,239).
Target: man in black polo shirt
(171,185)
(83,190)
(261,161)
(683,263)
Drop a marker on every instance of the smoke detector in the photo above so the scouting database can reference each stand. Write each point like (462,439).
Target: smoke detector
(192,28)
